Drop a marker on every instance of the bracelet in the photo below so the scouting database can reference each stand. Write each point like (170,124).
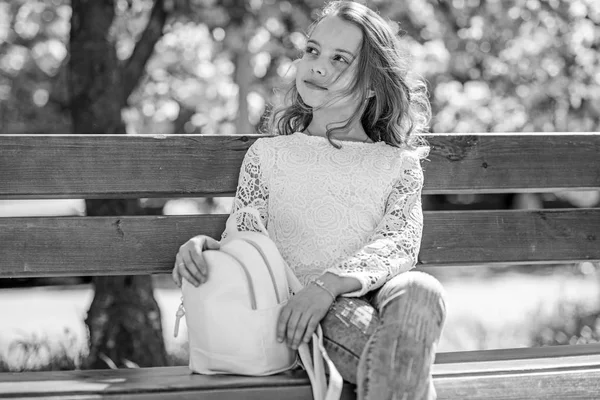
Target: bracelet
(321,284)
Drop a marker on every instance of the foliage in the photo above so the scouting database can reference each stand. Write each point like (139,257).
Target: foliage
(513,65)
(516,65)
(571,325)
(35,353)
(40,354)
(33,52)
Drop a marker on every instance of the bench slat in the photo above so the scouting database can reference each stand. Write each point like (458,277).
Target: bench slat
(510,236)
(54,246)
(62,246)
(119,166)
(563,384)
(162,382)
(520,353)
(516,366)
(563,377)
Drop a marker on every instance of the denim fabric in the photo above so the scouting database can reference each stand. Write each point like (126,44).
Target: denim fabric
(385,341)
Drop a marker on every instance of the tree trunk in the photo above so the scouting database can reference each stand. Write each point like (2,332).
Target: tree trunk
(243,78)
(237,39)
(124,323)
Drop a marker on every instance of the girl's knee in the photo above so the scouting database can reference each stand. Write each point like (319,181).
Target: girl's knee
(420,290)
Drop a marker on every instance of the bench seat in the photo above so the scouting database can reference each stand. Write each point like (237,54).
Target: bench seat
(568,377)
(561,378)
(155,383)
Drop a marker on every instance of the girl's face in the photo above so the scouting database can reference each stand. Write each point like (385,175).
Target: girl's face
(329,64)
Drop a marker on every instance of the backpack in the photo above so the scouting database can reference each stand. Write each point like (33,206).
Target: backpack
(232,317)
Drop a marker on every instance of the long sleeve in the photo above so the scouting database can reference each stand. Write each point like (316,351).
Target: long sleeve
(252,191)
(394,245)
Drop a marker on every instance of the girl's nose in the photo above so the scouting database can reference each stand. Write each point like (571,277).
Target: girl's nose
(318,69)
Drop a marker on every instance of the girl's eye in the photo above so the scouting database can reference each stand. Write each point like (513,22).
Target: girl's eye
(310,50)
(341,59)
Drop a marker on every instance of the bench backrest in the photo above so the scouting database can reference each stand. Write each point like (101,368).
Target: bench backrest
(125,166)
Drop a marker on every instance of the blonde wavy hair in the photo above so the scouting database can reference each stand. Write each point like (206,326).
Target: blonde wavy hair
(400,109)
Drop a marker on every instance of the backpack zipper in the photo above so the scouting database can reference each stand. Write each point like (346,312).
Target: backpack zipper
(180,313)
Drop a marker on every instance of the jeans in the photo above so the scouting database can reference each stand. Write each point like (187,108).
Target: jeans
(385,342)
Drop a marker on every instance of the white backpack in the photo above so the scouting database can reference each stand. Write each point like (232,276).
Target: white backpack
(232,318)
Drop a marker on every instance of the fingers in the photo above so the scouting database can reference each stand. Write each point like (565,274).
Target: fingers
(299,319)
(299,328)
(211,244)
(190,263)
(310,329)
(302,330)
(282,323)
(197,266)
(292,325)
(189,268)
(175,273)
(186,274)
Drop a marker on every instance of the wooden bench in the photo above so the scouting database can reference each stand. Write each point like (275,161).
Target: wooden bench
(119,166)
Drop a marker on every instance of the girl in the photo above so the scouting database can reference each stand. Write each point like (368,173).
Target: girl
(339,190)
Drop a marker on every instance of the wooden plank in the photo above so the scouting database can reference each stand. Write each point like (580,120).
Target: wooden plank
(510,236)
(561,378)
(119,166)
(512,354)
(491,162)
(517,366)
(48,246)
(156,383)
(580,384)
(112,166)
(62,246)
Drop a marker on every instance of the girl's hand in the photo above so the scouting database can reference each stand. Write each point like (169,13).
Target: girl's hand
(190,263)
(299,318)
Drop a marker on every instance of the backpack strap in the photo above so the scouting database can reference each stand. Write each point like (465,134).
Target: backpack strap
(268,264)
(315,369)
(315,364)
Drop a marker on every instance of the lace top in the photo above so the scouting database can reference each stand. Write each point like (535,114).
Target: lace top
(355,211)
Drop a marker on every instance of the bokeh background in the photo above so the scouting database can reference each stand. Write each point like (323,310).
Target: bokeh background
(218,66)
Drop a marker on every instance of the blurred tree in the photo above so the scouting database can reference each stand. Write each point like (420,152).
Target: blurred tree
(33,47)
(216,68)
(124,320)
(512,66)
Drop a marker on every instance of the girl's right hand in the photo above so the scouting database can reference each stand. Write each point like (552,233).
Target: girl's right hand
(190,263)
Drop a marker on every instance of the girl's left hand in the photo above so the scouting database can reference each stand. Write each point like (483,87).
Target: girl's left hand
(299,318)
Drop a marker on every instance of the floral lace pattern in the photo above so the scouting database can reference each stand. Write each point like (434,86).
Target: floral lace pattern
(354,211)
(251,192)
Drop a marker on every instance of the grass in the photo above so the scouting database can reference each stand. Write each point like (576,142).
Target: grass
(34,353)
(41,354)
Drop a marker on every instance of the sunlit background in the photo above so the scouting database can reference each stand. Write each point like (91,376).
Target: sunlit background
(491,66)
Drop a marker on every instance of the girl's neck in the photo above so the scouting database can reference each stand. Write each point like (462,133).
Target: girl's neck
(318,127)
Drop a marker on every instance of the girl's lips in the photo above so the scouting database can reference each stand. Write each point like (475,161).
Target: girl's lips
(314,85)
